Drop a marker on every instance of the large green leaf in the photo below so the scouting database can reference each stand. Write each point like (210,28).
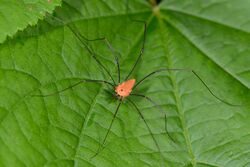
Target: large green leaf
(210,37)
(16,15)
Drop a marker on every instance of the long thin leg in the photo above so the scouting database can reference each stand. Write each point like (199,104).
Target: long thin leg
(81,38)
(78,35)
(116,59)
(166,128)
(105,138)
(142,49)
(113,52)
(189,70)
(157,71)
(150,131)
(82,81)
(158,106)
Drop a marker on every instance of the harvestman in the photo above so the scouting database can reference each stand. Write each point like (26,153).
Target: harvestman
(123,90)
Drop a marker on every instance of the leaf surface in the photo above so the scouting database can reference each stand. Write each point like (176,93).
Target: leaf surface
(66,129)
(17,15)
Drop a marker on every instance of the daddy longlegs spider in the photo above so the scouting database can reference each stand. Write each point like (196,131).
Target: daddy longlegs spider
(124,89)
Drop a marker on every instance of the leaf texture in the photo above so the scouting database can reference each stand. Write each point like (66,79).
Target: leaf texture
(210,37)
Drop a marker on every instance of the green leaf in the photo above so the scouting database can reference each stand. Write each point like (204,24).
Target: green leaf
(17,15)
(210,37)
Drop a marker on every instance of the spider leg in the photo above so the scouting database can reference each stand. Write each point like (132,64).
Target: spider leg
(113,52)
(195,74)
(105,138)
(158,106)
(142,49)
(83,40)
(145,122)
(92,53)
(69,87)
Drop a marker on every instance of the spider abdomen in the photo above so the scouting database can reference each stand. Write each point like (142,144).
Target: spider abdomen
(124,89)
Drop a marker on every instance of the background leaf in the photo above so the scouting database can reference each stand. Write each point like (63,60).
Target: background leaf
(17,15)
(211,37)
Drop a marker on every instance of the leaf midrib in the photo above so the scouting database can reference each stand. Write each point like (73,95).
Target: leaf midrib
(178,100)
(84,124)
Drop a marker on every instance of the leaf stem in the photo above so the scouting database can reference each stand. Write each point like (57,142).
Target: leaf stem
(153,2)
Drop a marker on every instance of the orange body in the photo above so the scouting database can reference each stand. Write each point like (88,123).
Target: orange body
(124,89)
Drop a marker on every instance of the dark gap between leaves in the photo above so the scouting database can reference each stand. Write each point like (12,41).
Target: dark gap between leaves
(158,1)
